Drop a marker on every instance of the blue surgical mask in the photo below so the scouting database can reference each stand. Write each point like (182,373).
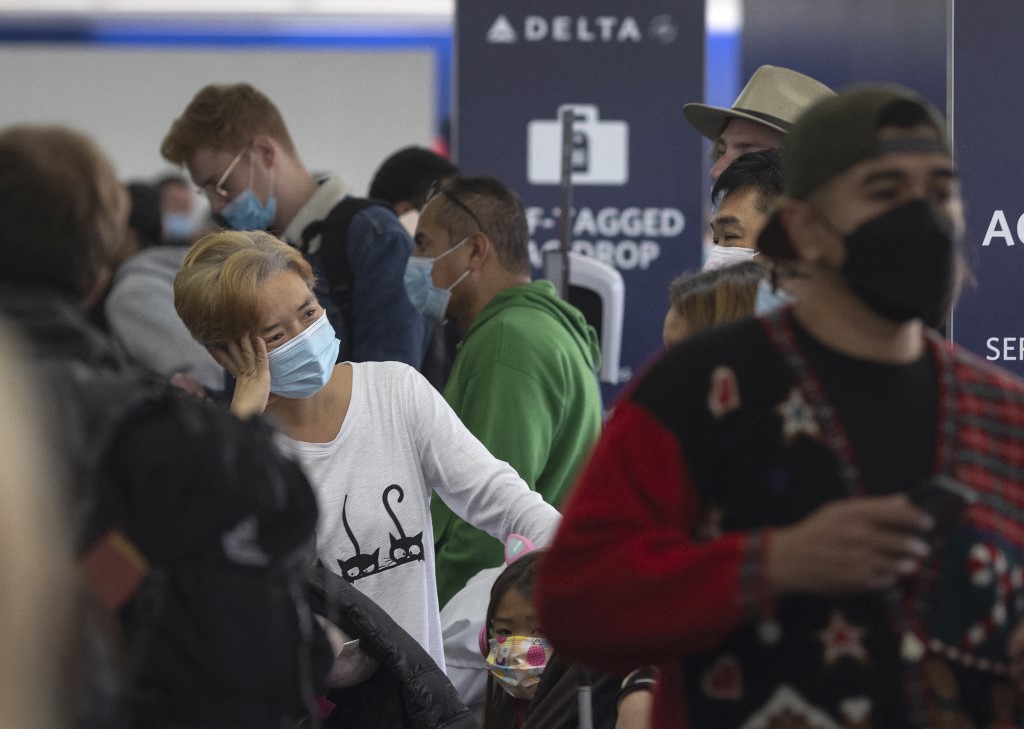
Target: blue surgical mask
(428,299)
(178,227)
(246,212)
(300,367)
(770,298)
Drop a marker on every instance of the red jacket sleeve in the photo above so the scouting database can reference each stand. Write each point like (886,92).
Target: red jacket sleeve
(624,583)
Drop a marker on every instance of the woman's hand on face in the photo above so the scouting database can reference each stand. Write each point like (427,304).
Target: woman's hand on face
(246,359)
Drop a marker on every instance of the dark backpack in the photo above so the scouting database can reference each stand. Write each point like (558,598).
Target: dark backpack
(333,288)
(331,265)
(195,532)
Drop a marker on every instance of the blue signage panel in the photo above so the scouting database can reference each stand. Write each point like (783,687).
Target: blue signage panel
(987,112)
(625,69)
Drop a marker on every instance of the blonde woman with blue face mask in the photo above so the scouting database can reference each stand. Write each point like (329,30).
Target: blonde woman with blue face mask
(374,438)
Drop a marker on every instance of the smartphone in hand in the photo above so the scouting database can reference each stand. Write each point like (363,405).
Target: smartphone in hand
(944,498)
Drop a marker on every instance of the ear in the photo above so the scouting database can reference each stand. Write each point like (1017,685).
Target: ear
(480,250)
(401,207)
(807,233)
(266,149)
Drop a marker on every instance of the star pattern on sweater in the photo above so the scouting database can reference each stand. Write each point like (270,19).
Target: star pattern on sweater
(787,709)
(843,640)
(797,418)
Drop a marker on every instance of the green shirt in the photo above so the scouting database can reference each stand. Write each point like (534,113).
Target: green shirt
(524,383)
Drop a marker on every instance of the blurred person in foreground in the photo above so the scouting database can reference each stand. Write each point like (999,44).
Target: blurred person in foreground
(38,592)
(189,529)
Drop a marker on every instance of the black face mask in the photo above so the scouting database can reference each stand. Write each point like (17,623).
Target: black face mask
(902,263)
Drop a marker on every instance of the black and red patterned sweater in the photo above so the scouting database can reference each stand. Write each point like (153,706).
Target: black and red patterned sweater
(754,426)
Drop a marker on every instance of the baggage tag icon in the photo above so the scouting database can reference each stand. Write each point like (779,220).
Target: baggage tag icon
(599,154)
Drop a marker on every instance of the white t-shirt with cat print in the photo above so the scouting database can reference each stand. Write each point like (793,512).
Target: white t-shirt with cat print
(399,443)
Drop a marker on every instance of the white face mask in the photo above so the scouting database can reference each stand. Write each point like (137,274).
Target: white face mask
(722,256)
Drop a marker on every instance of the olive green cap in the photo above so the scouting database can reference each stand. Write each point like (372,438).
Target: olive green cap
(838,132)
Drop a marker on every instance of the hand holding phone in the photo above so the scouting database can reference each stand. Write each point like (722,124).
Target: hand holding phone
(944,499)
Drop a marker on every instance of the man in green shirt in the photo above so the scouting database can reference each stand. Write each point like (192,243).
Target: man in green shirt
(523,380)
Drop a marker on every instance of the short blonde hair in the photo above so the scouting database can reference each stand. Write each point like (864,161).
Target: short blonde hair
(216,290)
(224,117)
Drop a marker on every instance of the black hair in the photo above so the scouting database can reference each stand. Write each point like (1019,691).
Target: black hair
(144,217)
(407,175)
(171,180)
(760,170)
(499,710)
(490,208)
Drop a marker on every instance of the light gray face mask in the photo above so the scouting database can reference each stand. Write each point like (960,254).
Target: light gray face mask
(722,256)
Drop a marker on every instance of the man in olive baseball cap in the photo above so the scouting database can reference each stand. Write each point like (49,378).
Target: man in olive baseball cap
(846,163)
(796,517)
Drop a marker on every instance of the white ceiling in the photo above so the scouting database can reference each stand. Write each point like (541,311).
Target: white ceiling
(382,8)
(722,15)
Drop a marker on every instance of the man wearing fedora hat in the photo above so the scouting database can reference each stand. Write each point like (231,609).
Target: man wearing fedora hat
(814,518)
(763,112)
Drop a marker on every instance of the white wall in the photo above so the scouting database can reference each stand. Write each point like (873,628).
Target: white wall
(346,110)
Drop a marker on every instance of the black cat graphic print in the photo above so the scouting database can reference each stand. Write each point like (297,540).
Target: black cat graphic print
(361,564)
(403,549)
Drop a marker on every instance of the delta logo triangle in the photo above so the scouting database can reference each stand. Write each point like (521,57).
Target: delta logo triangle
(501,31)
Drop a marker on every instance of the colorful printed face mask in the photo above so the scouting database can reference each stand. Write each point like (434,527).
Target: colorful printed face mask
(517,662)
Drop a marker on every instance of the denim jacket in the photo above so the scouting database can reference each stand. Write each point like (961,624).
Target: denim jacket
(385,325)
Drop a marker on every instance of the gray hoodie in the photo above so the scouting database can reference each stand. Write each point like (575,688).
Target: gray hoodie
(142,320)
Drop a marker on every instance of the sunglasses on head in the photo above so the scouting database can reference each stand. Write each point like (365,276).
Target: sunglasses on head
(439,188)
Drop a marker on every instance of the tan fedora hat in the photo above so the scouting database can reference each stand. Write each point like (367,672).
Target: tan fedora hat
(773,96)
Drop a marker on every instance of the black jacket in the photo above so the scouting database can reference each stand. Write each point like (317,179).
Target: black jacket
(214,635)
(408,690)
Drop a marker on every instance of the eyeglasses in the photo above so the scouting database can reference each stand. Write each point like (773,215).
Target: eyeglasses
(437,187)
(218,188)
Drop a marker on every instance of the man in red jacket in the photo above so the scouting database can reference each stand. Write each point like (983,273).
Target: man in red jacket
(749,519)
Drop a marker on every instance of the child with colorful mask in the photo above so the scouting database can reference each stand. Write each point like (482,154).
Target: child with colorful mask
(527,686)
(517,652)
